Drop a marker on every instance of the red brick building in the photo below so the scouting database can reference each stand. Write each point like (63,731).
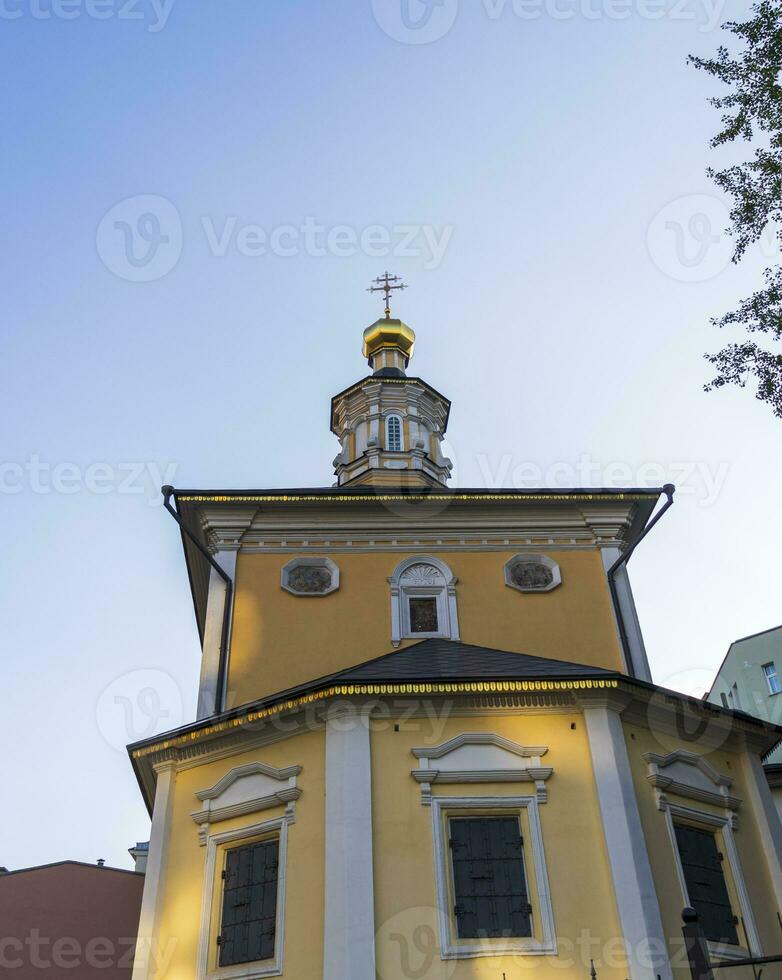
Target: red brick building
(69,919)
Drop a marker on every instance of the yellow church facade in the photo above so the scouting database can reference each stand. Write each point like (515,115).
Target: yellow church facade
(427,742)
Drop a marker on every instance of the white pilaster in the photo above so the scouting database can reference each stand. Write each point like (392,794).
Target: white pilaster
(636,899)
(148,952)
(629,615)
(349,919)
(768,819)
(213,631)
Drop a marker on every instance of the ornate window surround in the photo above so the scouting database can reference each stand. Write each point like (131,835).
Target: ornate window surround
(702,782)
(452,948)
(250,788)
(722,824)
(481,757)
(536,559)
(309,561)
(694,786)
(216,844)
(401,447)
(439,584)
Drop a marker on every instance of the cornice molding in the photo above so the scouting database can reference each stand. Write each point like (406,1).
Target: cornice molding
(482,757)
(688,785)
(392,528)
(240,772)
(245,789)
(479,738)
(647,708)
(428,777)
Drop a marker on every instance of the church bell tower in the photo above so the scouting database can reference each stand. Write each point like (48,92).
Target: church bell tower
(390,426)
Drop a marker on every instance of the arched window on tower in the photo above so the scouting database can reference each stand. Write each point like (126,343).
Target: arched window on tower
(423,600)
(394,434)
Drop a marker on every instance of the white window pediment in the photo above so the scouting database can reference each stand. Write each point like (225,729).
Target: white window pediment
(422,575)
(480,757)
(246,789)
(423,600)
(691,776)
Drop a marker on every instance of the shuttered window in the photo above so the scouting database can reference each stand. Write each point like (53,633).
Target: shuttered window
(249,903)
(490,888)
(706,887)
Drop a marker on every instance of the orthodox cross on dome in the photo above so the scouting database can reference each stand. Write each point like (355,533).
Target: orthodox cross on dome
(385,284)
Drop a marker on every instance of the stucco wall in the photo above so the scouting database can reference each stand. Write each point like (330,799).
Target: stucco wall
(280,640)
(179,925)
(579,877)
(743,666)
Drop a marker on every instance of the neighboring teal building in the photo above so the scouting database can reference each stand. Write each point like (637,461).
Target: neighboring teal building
(750,679)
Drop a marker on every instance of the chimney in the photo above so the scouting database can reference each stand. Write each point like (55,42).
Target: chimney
(140,853)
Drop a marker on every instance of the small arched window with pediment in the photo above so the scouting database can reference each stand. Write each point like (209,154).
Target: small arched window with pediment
(394,434)
(423,600)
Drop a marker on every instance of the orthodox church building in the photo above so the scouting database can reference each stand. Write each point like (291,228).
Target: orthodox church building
(427,742)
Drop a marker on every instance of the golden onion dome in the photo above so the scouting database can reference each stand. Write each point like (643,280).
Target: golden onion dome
(388,333)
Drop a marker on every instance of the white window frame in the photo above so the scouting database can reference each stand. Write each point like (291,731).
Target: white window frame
(215,846)
(451,947)
(770,673)
(444,592)
(401,447)
(723,825)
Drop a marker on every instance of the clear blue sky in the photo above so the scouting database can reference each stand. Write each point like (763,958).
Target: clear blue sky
(564,319)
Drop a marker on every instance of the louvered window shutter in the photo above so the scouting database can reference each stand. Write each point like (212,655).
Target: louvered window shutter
(249,904)
(705,878)
(490,888)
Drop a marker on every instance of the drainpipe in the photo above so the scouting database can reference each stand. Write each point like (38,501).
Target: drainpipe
(167,492)
(669,490)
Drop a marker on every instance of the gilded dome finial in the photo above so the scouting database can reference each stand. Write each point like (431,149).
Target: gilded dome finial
(384,284)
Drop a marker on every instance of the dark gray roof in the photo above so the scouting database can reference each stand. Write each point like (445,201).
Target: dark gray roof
(433,660)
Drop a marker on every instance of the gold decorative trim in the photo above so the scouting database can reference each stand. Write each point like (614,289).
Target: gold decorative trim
(349,498)
(473,687)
